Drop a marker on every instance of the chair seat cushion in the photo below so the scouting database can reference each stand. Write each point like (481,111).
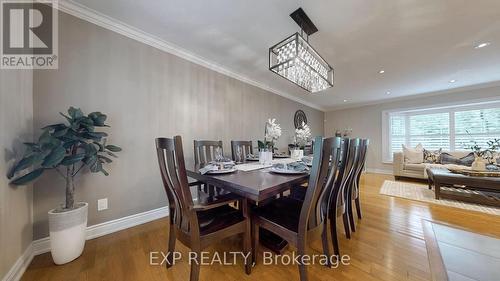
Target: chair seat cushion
(284,211)
(215,219)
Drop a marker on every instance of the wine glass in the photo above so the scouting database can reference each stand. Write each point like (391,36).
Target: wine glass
(218,154)
(239,154)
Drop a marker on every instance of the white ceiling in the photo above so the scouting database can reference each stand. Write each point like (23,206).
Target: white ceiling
(421,44)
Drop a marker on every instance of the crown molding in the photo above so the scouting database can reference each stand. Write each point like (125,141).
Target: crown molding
(83,12)
(462,89)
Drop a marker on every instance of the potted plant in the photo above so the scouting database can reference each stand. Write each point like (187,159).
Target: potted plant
(67,148)
(301,138)
(484,157)
(272,133)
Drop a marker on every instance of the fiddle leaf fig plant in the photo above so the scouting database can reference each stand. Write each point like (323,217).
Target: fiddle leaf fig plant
(67,148)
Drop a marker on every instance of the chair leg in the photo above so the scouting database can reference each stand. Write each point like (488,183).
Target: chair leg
(195,266)
(358,207)
(171,242)
(255,243)
(350,212)
(333,233)
(324,241)
(247,237)
(346,225)
(301,249)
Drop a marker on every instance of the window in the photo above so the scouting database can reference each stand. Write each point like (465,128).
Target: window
(450,128)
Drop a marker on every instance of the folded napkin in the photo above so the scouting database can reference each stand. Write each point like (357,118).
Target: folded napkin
(294,166)
(307,159)
(216,167)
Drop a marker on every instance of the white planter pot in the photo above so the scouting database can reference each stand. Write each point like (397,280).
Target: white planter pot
(297,154)
(479,164)
(67,233)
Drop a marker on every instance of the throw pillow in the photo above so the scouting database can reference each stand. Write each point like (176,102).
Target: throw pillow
(432,157)
(467,160)
(413,155)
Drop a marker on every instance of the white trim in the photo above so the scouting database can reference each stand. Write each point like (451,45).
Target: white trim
(17,270)
(82,12)
(379,171)
(42,245)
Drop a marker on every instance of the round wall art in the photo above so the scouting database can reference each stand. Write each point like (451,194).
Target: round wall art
(299,118)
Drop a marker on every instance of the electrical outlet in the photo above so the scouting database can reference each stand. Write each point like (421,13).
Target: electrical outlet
(102,204)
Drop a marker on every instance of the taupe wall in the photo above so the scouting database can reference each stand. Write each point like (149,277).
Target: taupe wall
(146,93)
(366,121)
(16,126)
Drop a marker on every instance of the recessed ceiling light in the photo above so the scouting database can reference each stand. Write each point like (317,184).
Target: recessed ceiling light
(388,92)
(345,100)
(452,81)
(381,71)
(482,45)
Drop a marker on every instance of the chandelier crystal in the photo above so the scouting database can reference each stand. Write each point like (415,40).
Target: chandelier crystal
(295,60)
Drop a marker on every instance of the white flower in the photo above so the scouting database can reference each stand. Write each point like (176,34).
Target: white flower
(303,134)
(273,130)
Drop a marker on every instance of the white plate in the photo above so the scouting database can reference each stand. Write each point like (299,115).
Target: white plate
(217,172)
(289,172)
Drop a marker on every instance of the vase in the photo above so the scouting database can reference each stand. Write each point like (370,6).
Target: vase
(67,232)
(479,164)
(297,154)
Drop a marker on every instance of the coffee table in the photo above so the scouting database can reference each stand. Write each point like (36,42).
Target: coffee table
(482,190)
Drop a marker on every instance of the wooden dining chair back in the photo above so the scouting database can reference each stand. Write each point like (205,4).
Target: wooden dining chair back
(246,148)
(360,165)
(351,169)
(294,219)
(335,203)
(204,150)
(197,225)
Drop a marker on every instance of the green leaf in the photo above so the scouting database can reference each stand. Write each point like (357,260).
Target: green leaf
(32,160)
(95,135)
(75,112)
(55,157)
(59,132)
(55,127)
(101,147)
(104,158)
(28,177)
(72,159)
(104,172)
(113,148)
(67,117)
(96,167)
(98,118)
(111,154)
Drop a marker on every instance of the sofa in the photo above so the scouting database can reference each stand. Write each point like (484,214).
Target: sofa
(417,171)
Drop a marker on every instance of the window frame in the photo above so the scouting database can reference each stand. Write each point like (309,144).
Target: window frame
(387,155)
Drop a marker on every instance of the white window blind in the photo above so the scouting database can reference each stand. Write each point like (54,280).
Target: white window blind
(450,128)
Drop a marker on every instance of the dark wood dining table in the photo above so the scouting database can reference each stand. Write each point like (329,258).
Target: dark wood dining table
(257,186)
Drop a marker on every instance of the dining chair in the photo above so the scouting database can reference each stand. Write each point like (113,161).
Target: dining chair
(353,194)
(348,180)
(204,152)
(294,220)
(246,148)
(198,225)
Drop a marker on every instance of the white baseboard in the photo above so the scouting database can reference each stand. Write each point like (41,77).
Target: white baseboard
(17,270)
(42,245)
(379,171)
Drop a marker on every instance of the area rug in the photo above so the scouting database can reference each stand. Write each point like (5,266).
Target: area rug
(420,192)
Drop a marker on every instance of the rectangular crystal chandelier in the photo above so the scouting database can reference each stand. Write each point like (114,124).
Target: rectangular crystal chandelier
(295,60)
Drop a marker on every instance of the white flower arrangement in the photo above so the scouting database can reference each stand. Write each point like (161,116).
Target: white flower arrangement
(273,130)
(302,135)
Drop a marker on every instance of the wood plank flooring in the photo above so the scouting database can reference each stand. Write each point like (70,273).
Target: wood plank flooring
(388,245)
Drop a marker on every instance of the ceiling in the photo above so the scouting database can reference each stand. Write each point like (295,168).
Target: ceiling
(421,44)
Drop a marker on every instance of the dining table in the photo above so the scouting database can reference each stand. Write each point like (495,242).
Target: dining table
(257,183)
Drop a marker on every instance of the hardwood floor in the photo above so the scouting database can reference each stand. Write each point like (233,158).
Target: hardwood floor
(388,245)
